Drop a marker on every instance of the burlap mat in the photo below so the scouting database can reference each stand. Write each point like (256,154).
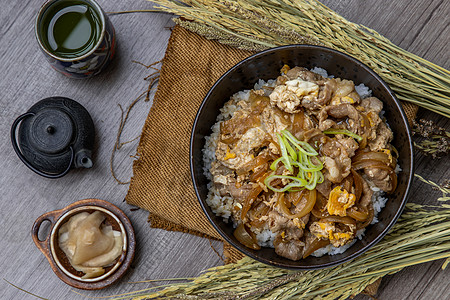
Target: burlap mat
(161,181)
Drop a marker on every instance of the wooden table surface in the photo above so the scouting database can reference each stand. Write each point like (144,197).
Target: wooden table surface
(421,27)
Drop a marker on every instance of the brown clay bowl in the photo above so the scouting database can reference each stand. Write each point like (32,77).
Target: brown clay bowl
(266,65)
(58,260)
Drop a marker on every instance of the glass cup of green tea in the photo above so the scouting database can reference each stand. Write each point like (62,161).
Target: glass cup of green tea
(76,36)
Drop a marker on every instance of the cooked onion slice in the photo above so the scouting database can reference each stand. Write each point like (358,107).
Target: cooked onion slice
(337,219)
(314,245)
(297,123)
(358,181)
(369,219)
(377,160)
(370,164)
(246,237)
(259,211)
(320,209)
(254,163)
(306,209)
(373,157)
(358,215)
(251,197)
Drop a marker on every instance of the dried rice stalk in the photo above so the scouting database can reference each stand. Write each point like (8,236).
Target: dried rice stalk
(260,24)
(422,234)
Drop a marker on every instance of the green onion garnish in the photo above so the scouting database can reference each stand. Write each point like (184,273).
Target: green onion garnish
(295,153)
(344,131)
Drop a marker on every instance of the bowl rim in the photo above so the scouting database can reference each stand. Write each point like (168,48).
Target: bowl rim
(404,120)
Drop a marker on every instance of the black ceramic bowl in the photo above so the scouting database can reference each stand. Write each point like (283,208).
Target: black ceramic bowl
(266,65)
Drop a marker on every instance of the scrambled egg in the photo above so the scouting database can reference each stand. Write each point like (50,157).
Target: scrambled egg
(302,88)
(322,230)
(288,97)
(299,223)
(339,238)
(327,231)
(229,154)
(285,69)
(340,100)
(339,201)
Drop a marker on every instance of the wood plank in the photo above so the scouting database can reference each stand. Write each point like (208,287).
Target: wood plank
(420,26)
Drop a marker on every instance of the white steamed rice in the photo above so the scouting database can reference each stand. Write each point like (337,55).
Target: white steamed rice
(222,206)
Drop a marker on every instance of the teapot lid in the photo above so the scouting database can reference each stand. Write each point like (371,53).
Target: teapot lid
(50,131)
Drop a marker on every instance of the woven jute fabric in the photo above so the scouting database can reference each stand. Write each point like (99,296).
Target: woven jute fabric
(161,181)
(410,111)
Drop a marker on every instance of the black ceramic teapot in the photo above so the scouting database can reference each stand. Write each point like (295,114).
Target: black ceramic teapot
(55,135)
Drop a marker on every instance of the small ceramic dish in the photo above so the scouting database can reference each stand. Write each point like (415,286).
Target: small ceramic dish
(59,261)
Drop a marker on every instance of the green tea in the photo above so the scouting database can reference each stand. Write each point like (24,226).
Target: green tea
(70,28)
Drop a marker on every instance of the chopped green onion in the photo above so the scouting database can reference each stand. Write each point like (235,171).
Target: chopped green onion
(302,146)
(273,166)
(344,131)
(309,172)
(296,182)
(286,160)
(309,166)
(312,182)
(289,148)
